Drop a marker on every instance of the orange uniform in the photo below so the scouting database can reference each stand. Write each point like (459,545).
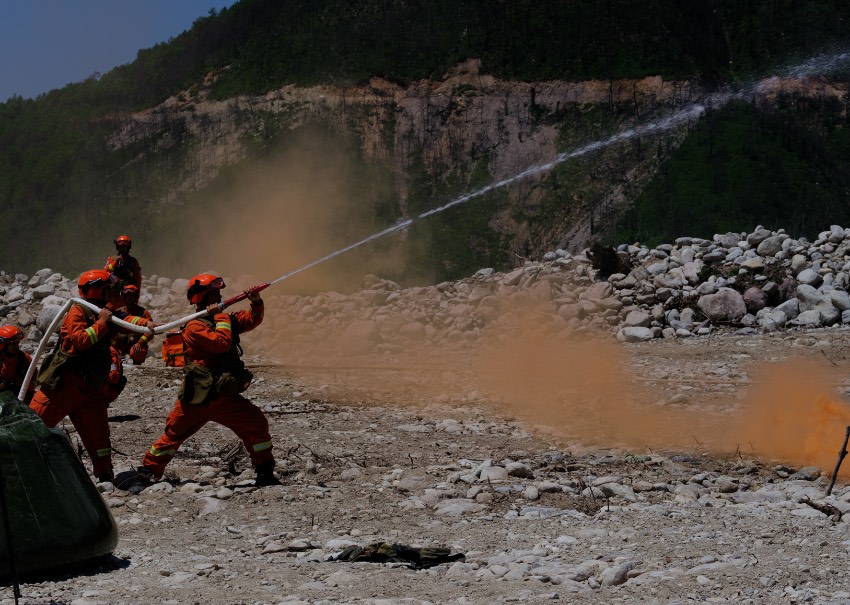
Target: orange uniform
(124,340)
(82,392)
(126,268)
(13,368)
(115,380)
(206,343)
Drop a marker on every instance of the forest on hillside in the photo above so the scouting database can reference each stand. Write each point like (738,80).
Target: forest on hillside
(59,179)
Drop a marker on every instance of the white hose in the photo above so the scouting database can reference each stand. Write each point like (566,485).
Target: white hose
(60,315)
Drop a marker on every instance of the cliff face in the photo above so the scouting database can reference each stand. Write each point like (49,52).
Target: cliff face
(435,127)
(468,129)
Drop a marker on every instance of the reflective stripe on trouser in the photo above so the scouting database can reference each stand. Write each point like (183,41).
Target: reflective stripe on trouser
(233,411)
(87,412)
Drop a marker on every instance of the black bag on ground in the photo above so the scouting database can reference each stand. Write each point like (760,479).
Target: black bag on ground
(58,519)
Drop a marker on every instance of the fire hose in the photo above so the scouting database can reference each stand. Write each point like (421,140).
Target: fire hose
(36,356)
(60,315)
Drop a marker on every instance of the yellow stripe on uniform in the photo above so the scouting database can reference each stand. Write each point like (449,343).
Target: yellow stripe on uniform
(157,452)
(259,447)
(107,451)
(223,325)
(92,334)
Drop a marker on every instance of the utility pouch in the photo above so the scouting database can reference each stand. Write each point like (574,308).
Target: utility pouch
(231,383)
(54,365)
(199,385)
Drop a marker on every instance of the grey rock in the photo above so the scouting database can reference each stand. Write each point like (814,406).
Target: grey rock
(758,236)
(809,277)
(727,240)
(755,299)
(725,305)
(635,334)
(638,319)
(771,245)
(840,299)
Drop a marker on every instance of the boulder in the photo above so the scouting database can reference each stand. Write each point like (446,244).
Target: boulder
(724,306)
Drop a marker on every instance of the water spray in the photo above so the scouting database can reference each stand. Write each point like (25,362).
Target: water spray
(815,66)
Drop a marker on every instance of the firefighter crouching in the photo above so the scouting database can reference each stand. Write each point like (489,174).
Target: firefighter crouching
(126,342)
(14,363)
(79,378)
(214,377)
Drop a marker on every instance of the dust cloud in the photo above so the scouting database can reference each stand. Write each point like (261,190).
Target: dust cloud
(581,390)
(271,217)
(793,413)
(584,389)
(312,199)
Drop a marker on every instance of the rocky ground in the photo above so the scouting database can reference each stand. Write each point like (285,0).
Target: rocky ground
(665,435)
(539,514)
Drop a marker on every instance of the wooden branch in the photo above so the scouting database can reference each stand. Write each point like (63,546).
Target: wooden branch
(828,509)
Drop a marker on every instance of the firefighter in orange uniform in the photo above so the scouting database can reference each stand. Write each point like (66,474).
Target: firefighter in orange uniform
(214,377)
(74,381)
(130,343)
(122,265)
(14,363)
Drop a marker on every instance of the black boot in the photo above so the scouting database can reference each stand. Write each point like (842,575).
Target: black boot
(265,476)
(107,477)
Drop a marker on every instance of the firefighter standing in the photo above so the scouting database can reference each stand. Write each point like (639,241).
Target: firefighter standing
(214,377)
(130,343)
(122,265)
(74,379)
(14,363)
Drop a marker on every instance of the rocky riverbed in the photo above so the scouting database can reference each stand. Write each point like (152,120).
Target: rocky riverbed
(563,457)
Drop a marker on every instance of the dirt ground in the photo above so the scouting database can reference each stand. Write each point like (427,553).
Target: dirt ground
(697,440)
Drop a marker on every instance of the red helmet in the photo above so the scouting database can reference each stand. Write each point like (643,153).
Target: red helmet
(129,289)
(10,334)
(123,239)
(200,285)
(95,278)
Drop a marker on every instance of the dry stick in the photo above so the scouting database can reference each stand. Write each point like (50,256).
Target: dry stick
(827,358)
(841,456)
(828,509)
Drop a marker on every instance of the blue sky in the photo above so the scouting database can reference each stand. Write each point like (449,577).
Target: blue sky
(46,44)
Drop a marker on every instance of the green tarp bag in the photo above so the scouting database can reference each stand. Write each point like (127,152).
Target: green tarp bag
(58,518)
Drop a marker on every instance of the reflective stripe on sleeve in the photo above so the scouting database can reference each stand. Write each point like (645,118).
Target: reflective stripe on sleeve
(223,325)
(92,334)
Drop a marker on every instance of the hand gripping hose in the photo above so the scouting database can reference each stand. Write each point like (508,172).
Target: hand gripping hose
(36,356)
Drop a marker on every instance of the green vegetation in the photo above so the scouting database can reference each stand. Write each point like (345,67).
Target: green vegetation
(267,43)
(63,180)
(741,166)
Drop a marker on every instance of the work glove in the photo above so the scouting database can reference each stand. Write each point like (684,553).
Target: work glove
(139,352)
(254,296)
